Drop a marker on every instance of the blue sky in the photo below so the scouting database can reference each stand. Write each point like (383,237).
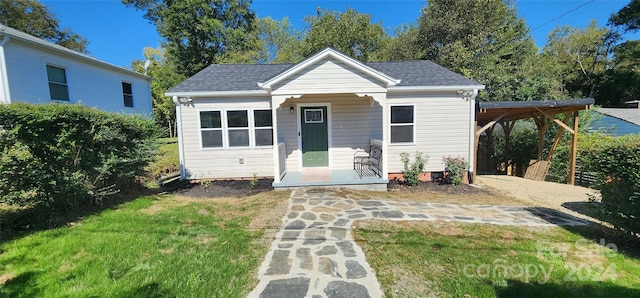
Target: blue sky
(117,34)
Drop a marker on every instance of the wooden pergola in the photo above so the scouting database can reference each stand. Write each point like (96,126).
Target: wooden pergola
(506,113)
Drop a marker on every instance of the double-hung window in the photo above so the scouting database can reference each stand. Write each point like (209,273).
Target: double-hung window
(58,88)
(211,129)
(263,127)
(238,128)
(127,94)
(402,124)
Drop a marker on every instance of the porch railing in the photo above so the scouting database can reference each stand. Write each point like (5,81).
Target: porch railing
(282,157)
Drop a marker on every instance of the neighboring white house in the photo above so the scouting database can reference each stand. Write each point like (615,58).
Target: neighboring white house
(36,71)
(320,112)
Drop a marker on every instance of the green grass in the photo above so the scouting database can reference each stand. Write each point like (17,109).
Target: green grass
(151,246)
(455,259)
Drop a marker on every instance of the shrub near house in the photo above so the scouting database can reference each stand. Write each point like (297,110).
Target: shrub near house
(617,162)
(67,155)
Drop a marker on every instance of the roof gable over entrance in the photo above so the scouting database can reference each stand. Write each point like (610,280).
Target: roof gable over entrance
(330,68)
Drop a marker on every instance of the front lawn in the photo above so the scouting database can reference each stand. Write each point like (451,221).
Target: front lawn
(169,246)
(427,259)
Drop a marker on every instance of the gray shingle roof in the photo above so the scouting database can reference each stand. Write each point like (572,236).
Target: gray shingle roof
(244,77)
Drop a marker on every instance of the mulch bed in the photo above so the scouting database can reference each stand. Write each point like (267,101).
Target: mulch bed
(224,188)
(396,185)
(240,188)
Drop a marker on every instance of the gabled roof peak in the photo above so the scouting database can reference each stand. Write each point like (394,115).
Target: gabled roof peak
(325,54)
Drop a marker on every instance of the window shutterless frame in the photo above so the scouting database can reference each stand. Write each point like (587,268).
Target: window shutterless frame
(233,128)
(58,88)
(402,124)
(211,129)
(127,94)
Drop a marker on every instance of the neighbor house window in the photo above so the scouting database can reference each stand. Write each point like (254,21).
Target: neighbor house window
(263,127)
(127,93)
(238,128)
(402,124)
(58,88)
(211,129)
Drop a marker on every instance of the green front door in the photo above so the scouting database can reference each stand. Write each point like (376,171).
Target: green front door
(315,140)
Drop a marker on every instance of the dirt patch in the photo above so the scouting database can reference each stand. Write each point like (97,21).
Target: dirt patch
(563,197)
(153,209)
(462,189)
(225,188)
(166,251)
(6,277)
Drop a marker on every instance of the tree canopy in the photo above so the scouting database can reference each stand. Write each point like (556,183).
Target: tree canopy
(493,47)
(198,33)
(32,17)
(628,17)
(350,32)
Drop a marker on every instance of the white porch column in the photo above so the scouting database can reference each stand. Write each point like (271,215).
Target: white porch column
(381,98)
(385,140)
(180,140)
(276,101)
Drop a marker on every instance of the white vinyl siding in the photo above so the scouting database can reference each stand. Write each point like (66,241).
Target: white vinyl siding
(441,129)
(328,77)
(88,84)
(201,163)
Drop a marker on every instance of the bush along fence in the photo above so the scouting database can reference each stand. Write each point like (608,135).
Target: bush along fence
(617,164)
(67,155)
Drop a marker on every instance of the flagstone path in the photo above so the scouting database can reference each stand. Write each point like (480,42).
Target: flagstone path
(314,255)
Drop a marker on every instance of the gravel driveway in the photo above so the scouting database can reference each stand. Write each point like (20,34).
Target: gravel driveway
(541,193)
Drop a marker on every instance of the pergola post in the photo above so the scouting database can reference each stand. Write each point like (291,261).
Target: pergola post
(574,149)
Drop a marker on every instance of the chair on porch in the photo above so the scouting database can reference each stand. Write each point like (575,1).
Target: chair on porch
(369,164)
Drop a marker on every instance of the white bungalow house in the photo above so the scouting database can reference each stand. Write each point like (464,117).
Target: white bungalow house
(302,124)
(33,70)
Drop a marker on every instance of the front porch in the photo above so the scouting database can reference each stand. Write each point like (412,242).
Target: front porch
(330,178)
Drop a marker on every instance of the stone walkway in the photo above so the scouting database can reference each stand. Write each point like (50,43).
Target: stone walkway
(314,255)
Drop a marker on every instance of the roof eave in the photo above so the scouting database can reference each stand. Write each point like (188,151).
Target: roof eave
(68,52)
(414,89)
(199,94)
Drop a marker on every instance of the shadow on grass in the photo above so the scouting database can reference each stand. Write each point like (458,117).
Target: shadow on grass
(517,288)
(23,285)
(24,221)
(597,233)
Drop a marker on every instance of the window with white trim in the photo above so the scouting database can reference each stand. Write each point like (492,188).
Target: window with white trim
(58,88)
(127,94)
(238,128)
(263,128)
(211,129)
(402,124)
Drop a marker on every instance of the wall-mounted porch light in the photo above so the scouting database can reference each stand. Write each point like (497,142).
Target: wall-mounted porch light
(291,110)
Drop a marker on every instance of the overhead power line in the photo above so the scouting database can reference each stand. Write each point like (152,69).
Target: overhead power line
(562,15)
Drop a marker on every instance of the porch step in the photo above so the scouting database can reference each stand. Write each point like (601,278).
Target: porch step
(331,179)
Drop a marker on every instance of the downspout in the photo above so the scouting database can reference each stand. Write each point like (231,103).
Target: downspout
(180,141)
(3,69)
(472,134)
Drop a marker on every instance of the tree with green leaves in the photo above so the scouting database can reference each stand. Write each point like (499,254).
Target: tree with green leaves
(583,56)
(198,33)
(32,17)
(628,17)
(350,32)
(163,77)
(280,41)
(481,39)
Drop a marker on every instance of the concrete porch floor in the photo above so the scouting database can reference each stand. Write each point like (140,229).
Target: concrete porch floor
(330,178)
